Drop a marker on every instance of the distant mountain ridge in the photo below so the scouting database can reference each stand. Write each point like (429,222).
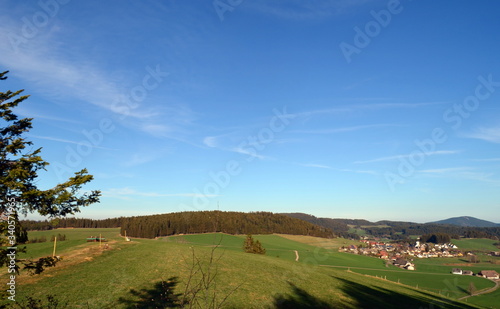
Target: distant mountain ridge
(467,222)
(468,227)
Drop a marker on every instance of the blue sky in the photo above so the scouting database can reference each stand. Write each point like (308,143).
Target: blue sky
(343,109)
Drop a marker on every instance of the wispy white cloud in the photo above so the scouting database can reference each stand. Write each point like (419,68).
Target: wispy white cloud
(36,115)
(320,112)
(445,170)
(480,176)
(313,165)
(404,156)
(316,165)
(487,160)
(156,129)
(128,193)
(113,175)
(55,139)
(243,140)
(210,141)
(491,134)
(398,105)
(143,158)
(465,173)
(235,142)
(362,107)
(44,64)
(304,10)
(343,129)
(250,152)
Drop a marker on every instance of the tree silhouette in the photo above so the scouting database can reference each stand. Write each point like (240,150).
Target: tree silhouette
(19,167)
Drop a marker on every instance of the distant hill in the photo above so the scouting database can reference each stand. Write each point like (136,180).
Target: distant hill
(333,224)
(230,222)
(338,226)
(402,230)
(193,222)
(468,222)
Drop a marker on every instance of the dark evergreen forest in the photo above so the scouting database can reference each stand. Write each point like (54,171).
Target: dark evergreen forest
(192,222)
(260,223)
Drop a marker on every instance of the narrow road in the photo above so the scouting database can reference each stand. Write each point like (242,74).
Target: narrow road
(296,255)
(497,284)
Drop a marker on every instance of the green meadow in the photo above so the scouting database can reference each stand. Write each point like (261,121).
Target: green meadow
(74,238)
(451,285)
(476,244)
(136,274)
(490,300)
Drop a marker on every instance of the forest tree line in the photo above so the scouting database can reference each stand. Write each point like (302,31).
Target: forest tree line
(191,222)
(45,225)
(219,221)
(406,229)
(338,226)
(260,223)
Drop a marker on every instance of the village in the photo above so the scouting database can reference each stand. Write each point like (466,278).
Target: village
(402,254)
(393,251)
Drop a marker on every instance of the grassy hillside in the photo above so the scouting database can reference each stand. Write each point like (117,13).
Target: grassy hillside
(431,275)
(490,300)
(129,274)
(476,244)
(74,238)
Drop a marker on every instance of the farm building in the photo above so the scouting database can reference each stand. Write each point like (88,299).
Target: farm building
(467,273)
(402,263)
(489,274)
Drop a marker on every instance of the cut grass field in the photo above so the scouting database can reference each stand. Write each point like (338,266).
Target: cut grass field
(127,275)
(476,244)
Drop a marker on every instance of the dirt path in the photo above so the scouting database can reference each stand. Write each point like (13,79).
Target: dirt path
(296,255)
(497,284)
(79,254)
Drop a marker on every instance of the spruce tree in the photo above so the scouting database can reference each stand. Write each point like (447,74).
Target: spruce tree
(258,249)
(251,246)
(19,167)
(248,244)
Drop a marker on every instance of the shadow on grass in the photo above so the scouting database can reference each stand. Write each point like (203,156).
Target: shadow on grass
(370,297)
(299,299)
(467,293)
(364,296)
(162,295)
